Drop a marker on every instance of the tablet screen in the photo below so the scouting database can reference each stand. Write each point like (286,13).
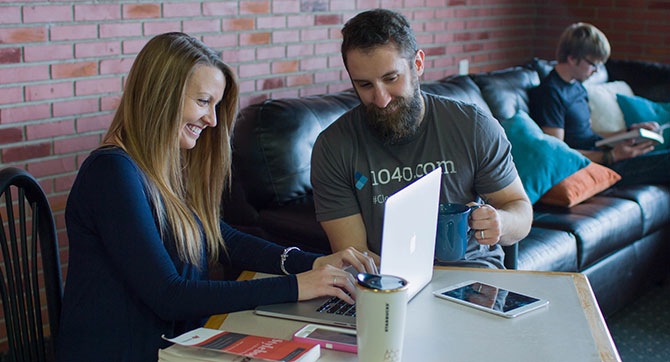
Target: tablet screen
(491,297)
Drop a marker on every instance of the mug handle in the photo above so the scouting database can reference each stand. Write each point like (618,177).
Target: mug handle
(471,231)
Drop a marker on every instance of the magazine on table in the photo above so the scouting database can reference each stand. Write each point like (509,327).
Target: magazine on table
(178,353)
(204,344)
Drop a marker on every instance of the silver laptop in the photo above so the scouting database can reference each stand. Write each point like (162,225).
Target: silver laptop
(408,248)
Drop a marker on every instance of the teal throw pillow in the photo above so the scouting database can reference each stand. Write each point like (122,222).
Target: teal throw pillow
(541,160)
(637,110)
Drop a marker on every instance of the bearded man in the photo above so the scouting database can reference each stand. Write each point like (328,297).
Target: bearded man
(399,133)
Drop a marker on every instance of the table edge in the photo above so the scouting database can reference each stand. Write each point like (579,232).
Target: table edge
(599,330)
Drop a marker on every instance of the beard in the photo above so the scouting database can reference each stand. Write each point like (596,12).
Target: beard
(399,120)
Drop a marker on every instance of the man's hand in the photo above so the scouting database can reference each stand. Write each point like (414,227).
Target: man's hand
(626,150)
(487,224)
(349,256)
(505,218)
(652,126)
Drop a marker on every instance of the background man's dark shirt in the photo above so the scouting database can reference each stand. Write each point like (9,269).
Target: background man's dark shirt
(558,104)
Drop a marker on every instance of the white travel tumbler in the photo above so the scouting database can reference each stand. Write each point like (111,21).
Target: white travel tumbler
(381,307)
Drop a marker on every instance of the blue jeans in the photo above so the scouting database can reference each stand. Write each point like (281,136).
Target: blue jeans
(650,168)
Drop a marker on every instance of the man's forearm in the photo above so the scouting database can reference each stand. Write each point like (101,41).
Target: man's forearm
(338,244)
(348,231)
(516,217)
(594,155)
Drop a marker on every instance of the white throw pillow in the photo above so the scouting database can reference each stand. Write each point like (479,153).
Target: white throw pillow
(606,115)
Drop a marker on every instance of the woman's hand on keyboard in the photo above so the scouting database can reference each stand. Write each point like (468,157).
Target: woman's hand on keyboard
(326,280)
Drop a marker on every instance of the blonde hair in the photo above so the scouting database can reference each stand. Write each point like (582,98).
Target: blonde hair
(580,40)
(183,185)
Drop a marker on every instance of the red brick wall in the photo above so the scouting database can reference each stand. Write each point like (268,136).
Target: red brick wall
(636,29)
(63,63)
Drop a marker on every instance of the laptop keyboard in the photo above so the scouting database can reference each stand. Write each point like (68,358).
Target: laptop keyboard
(336,305)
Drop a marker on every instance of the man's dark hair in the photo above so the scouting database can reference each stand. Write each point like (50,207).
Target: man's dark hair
(378,27)
(581,40)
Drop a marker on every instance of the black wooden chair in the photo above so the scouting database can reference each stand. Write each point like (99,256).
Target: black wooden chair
(29,268)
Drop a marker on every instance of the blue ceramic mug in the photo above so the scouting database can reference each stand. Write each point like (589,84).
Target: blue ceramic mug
(453,231)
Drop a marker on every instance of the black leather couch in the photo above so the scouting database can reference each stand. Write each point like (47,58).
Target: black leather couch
(620,238)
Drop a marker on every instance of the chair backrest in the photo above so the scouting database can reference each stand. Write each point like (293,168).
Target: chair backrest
(29,267)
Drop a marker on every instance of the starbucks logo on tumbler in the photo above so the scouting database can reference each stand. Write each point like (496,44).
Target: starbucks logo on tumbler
(392,355)
(386,318)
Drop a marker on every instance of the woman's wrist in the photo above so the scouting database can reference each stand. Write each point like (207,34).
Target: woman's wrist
(284,257)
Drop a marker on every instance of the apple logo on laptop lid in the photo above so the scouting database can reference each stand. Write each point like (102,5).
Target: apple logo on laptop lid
(412,244)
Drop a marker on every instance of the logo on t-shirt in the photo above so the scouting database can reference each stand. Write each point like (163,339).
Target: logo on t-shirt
(360,180)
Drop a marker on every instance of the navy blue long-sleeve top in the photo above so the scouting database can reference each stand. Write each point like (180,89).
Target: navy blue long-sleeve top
(126,286)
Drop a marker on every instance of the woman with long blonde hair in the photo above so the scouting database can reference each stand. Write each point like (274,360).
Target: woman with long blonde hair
(143,217)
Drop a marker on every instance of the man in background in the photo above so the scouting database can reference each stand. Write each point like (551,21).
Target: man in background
(560,107)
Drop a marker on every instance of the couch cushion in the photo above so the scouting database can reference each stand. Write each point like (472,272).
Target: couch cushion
(627,274)
(272,145)
(606,115)
(548,250)
(653,201)
(601,226)
(506,91)
(461,88)
(541,160)
(581,185)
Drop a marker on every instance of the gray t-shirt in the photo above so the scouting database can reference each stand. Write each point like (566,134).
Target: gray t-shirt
(353,171)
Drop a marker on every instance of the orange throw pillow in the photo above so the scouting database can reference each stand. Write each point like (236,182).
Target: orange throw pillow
(581,185)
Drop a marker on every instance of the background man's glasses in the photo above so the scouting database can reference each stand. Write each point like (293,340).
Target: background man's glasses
(595,65)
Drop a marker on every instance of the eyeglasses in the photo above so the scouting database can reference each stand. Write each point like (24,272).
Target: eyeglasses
(595,65)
